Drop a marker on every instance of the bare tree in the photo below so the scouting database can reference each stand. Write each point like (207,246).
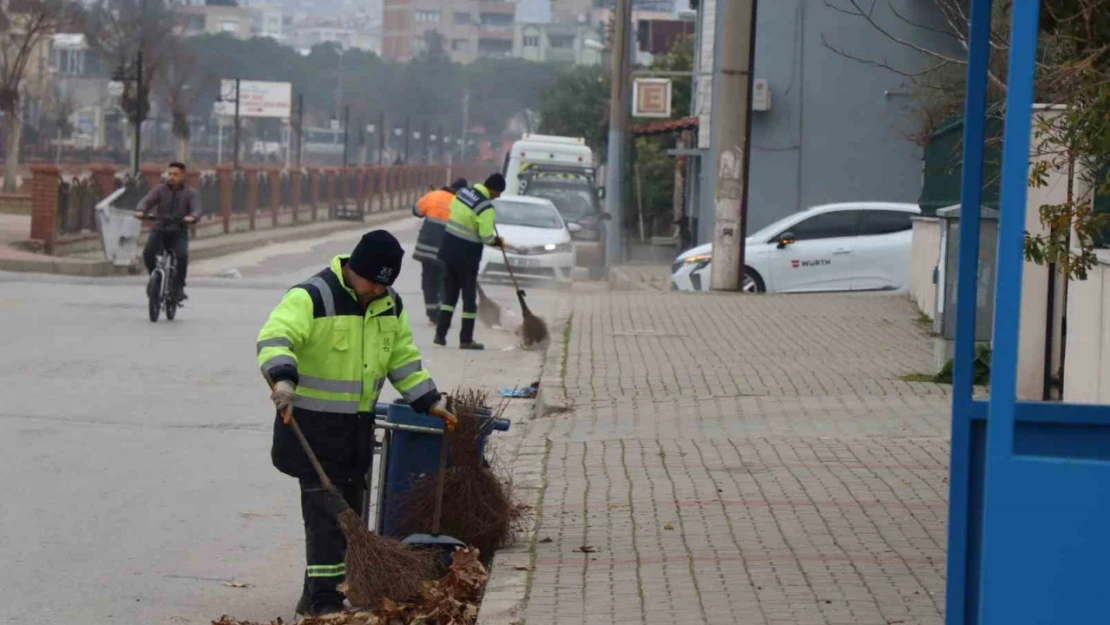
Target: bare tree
(25,27)
(59,108)
(1072,69)
(178,86)
(119,30)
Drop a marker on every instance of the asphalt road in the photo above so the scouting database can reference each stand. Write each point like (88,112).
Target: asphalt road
(134,461)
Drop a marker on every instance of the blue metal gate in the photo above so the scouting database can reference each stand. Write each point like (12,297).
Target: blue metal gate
(1030,482)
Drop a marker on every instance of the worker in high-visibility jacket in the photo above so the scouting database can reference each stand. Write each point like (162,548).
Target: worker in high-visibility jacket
(471,225)
(327,350)
(434,208)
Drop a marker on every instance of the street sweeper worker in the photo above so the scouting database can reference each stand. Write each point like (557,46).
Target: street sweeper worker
(434,208)
(471,225)
(326,351)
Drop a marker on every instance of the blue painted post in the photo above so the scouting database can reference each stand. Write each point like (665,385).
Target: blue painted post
(1007,306)
(958,602)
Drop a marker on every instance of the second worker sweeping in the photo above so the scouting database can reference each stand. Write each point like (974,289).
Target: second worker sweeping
(470,227)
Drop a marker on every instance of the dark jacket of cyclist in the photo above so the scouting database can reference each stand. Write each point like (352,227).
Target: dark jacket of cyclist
(170,203)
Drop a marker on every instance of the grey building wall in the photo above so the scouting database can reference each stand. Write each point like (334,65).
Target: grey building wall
(837,127)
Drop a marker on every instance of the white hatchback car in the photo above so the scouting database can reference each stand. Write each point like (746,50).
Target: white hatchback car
(537,241)
(855,246)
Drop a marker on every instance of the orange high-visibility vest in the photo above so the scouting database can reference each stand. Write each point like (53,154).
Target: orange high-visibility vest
(435,205)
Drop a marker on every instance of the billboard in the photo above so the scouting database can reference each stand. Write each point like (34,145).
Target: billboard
(256,99)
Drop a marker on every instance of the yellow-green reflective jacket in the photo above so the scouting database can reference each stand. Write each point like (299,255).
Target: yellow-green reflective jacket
(339,358)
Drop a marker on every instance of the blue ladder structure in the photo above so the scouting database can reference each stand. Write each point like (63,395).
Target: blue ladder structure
(1029,489)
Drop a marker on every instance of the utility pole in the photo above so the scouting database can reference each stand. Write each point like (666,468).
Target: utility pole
(732,121)
(619,103)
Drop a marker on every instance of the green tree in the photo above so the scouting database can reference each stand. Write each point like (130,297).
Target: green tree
(655,178)
(576,104)
(680,58)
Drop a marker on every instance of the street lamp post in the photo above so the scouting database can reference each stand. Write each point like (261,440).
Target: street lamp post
(300,128)
(137,78)
(346,132)
(381,138)
(408,132)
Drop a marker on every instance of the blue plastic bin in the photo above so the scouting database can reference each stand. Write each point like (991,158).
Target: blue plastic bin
(411,454)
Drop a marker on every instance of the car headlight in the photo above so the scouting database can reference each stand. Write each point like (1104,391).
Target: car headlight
(700,258)
(698,261)
(558,248)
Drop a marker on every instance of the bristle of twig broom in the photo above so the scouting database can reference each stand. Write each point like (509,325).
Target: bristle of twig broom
(478,508)
(379,567)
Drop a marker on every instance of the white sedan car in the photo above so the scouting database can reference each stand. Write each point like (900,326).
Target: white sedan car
(537,241)
(856,246)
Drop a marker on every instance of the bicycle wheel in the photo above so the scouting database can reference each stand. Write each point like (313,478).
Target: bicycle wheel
(171,293)
(154,295)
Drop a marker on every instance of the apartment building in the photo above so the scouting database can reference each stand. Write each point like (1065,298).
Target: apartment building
(214,17)
(470,28)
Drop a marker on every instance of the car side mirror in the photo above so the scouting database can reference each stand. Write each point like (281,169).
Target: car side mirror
(601,193)
(786,238)
(573,228)
(605,217)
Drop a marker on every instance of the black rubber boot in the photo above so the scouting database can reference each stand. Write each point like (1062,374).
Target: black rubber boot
(443,326)
(466,334)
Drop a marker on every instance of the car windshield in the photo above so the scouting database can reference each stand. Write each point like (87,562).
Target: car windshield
(527,214)
(574,201)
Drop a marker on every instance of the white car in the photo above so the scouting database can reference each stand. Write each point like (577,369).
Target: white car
(855,246)
(537,241)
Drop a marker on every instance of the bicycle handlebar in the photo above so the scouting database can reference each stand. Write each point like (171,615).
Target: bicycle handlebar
(179,220)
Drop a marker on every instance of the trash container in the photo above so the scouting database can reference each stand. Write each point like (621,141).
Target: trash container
(119,230)
(410,448)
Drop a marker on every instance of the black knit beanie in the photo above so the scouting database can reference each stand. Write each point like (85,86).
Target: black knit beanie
(496,182)
(377,257)
(459,184)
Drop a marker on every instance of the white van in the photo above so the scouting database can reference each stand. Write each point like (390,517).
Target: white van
(561,169)
(538,151)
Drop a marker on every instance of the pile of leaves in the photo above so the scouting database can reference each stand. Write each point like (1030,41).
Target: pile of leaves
(450,600)
(478,507)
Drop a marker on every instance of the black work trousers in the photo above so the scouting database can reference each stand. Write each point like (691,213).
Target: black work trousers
(325,546)
(459,278)
(176,240)
(431,282)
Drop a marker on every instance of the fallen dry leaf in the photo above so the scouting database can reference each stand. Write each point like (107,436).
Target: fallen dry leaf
(546,540)
(450,600)
(522,567)
(668,526)
(587,549)
(235,584)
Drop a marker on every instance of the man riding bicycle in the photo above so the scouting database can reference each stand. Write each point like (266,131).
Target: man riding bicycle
(174,205)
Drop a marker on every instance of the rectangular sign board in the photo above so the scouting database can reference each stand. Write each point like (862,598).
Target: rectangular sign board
(256,99)
(651,97)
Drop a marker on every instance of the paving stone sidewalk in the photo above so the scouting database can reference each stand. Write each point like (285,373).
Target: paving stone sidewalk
(752,460)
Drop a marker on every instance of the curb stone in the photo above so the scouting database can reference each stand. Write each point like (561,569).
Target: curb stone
(216,247)
(510,571)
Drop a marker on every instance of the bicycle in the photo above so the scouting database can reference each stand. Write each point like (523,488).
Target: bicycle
(159,288)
